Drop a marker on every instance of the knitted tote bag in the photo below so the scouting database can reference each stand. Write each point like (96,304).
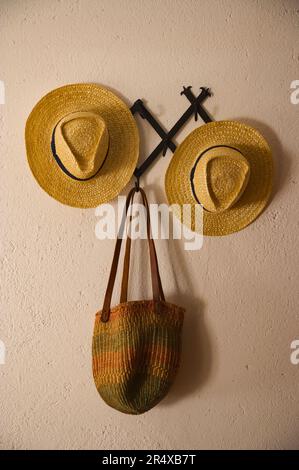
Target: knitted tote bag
(136,345)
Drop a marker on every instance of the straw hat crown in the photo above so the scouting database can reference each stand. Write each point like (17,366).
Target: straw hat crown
(81,142)
(220,177)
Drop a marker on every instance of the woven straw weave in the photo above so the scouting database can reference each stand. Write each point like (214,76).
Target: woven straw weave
(120,161)
(136,354)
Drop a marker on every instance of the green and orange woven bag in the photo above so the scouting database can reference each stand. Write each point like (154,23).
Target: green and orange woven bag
(136,345)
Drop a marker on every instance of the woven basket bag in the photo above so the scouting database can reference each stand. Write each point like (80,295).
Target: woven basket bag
(136,345)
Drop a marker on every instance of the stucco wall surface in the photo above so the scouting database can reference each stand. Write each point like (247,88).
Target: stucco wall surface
(237,387)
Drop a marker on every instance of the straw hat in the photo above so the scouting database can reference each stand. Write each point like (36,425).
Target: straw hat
(82,144)
(227,168)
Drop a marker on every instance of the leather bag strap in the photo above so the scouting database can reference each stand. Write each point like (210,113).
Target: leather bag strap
(156,280)
(108,295)
(158,293)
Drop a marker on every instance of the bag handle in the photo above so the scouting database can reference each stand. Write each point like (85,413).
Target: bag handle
(108,295)
(155,275)
(156,280)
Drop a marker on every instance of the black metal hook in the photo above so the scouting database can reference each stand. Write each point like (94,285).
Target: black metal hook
(137,184)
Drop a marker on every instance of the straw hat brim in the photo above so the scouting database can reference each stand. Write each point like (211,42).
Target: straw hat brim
(257,192)
(122,156)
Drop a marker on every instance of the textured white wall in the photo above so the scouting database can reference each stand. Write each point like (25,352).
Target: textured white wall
(237,387)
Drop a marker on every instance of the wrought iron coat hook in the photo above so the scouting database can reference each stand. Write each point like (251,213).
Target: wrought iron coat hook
(195,108)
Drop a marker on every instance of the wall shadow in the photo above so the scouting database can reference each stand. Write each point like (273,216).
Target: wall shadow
(196,355)
(197,358)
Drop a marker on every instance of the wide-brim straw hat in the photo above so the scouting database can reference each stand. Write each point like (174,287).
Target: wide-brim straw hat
(82,144)
(225,167)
